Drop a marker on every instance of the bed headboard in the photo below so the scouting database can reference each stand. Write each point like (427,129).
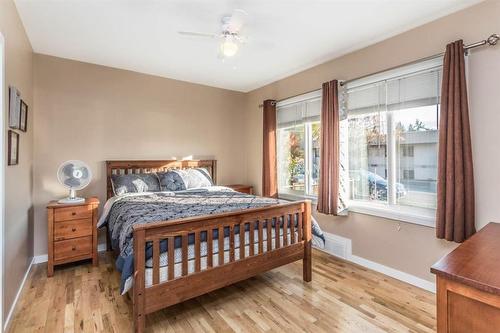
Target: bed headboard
(149,166)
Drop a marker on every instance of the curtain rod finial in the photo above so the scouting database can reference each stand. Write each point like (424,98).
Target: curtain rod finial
(493,39)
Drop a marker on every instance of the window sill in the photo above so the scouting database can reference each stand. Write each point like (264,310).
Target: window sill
(295,197)
(420,216)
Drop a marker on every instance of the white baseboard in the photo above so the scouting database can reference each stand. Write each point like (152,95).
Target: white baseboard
(40,259)
(394,273)
(342,247)
(13,306)
(44,257)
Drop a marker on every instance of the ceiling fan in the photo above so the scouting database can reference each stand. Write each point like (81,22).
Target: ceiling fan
(229,37)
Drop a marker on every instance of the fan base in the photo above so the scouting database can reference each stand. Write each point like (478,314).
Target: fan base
(70,200)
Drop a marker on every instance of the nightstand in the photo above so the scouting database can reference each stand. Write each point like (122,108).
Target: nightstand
(248,189)
(72,232)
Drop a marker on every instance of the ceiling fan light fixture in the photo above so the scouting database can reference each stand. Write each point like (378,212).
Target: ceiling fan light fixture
(229,47)
(229,38)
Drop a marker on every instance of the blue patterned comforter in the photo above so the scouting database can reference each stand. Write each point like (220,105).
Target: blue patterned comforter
(122,213)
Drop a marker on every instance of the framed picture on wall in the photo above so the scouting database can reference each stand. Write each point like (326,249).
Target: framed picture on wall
(13,148)
(23,118)
(14,107)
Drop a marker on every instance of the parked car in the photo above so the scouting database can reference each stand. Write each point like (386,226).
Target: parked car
(299,175)
(377,185)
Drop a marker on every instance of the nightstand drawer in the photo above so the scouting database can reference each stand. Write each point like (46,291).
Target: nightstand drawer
(72,229)
(72,248)
(72,213)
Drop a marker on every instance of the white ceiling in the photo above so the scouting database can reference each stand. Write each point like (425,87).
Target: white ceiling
(285,36)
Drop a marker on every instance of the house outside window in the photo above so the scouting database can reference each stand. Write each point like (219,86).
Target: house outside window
(298,140)
(407,150)
(392,124)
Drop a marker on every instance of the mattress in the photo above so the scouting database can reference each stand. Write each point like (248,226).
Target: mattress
(215,260)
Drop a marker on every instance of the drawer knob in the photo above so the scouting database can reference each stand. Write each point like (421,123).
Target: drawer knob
(73,248)
(73,213)
(73,229)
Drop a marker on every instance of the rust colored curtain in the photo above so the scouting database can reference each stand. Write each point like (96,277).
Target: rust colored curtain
(269,172)
(328,190)
(455,191)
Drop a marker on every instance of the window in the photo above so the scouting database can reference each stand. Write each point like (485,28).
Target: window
(407,150)
(408,174)
(298,135)
(392,124)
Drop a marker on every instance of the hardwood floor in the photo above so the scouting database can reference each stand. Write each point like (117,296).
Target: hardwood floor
(342,297)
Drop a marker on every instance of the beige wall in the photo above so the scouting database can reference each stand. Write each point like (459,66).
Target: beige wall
(411,248)
(95,113)
(18,235)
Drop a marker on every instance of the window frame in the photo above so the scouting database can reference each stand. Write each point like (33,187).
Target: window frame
(423,216)
(308,158)
(391,210)
(2,170)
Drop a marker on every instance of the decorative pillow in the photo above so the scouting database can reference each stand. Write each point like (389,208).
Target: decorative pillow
(198,177)
(178,180)
(172,180)
(135,183)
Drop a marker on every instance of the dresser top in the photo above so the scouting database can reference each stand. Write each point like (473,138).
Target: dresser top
(88,201)
(476,262)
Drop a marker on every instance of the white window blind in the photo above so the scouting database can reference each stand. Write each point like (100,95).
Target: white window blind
(407,87)
(295,111)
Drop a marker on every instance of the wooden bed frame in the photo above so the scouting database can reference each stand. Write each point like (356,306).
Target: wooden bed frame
(175,290)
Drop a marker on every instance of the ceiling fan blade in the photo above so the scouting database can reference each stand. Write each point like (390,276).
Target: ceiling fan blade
(237,20)
(197,34)
(241,39)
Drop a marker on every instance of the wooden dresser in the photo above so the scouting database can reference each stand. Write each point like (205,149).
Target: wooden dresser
(72,232)
(468,285)
(248,189)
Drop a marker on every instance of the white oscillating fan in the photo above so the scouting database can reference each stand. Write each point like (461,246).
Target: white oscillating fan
(74,175)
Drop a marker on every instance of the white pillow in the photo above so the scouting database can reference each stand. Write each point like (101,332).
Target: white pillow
(198,177)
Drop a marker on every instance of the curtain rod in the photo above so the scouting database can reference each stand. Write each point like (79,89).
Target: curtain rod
(490,41)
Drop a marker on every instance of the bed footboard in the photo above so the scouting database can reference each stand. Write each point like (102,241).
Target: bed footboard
(216,251)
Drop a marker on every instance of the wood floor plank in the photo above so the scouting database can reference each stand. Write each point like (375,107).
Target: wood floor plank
(342,297)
